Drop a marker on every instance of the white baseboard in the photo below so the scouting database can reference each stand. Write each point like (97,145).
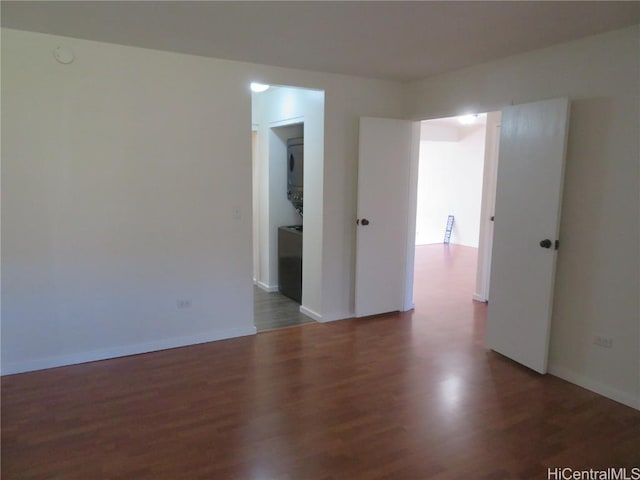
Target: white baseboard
(267,288)
(333,317)
(310,313)
(324,318)
(606,391)
(122,351)
(479,298)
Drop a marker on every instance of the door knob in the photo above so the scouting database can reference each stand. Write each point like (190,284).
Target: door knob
(546,243)
(364,222)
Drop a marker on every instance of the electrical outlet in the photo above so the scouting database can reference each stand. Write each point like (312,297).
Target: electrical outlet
(183,303)
(604,342)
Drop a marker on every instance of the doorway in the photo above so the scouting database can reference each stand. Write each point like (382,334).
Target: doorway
(286,118)
(455,200)
(533,139)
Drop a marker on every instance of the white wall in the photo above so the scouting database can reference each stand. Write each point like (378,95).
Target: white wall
(119,181)
(597,282)
(121,174)
(450,182)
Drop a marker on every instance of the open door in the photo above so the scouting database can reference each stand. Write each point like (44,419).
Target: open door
(527,218)
(388,154)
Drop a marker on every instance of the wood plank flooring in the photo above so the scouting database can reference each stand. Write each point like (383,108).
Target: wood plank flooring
(274,310)
(404,396)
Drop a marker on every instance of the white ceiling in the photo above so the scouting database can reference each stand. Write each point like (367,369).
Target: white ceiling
(395,40)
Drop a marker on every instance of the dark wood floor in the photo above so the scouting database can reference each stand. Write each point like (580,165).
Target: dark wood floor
(274,310)
(405,396)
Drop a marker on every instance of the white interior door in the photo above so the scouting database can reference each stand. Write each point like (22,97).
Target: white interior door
(487,211)
(386,214)
(527,217)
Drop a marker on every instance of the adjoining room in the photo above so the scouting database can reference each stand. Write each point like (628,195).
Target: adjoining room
(287,154)
(455,202)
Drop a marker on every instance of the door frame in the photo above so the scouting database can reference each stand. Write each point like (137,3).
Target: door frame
(311,115)
(489,185)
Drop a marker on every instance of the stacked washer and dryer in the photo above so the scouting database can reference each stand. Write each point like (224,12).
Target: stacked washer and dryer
(290,236)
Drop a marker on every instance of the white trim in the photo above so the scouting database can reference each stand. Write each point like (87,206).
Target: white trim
(479,298)
(324,318)
(412,207)
(488,203)
(287,121)
(267,288)
(123,351)
(310,313)
(606,391)
(337,316)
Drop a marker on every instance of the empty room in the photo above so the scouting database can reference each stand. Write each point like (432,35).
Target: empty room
(144,185)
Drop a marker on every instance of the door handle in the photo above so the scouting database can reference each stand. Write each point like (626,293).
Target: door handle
(364,222)
(546,243)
